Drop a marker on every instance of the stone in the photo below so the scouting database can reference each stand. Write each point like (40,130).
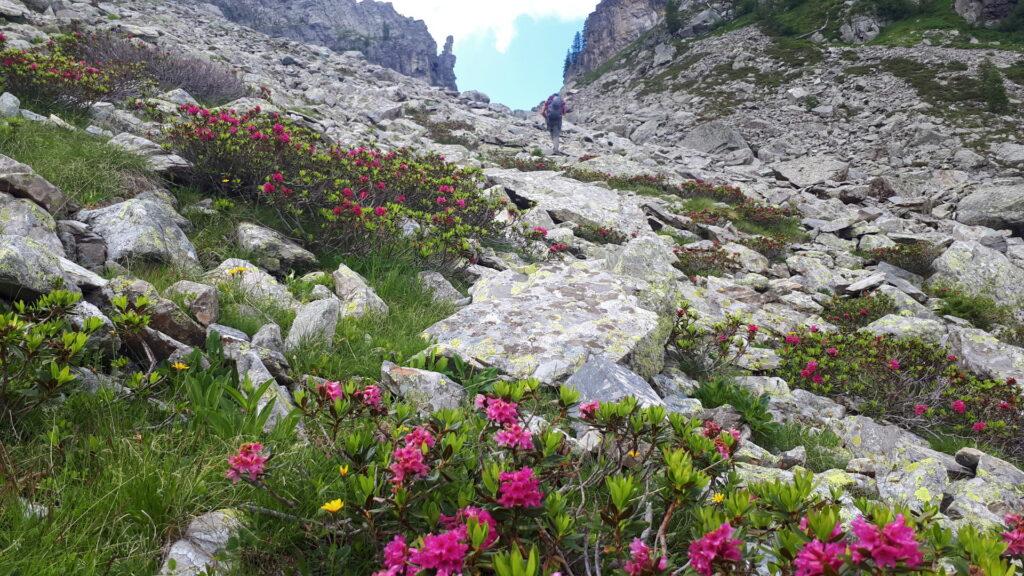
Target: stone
(441,289)
(158,159)
(900,327)
(206,538)
(748,259)
(602,380)
(984,12)
(178,96)
(272,251)
(795,457)
(1009,153)
(865,438)
(226,334)
(21,217)
(569,200)
(989,467)
(866,284)
(255,284)
(811,170)
(357,297)
(142,230)
(202,301)
(82,245)
(165,315)
(918,484)
(982,503)
(978,270)
(714,137)
(21,181)
(12,9)
(29,269)
(428,391)
(546,323)
(985,355)
(10,106)
(648,263)
(997,205)
(860,28)
(250,368)
(269,337)
(104,340)
(314,325)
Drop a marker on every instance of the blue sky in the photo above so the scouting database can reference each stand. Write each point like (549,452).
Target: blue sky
(511,49)
(528,71)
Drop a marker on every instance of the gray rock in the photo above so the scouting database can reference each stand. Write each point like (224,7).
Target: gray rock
(21,217)
(82,245)
(714,138)
(226,334)
(12,9)
(357,298)
(269,337)
(982,503)
(105,340)
(989,467)
(810,170)
(860,28)
(158,159)
(253,283)
(206,538)
(980,271)
(165,315)
(142,230)
(899,326)
(648,263)
(998,205)
(869,283)
(918,485)
(546,324)
(315,324)
(29,269)
(602,380)
(201,300)
(251,368)
(272,251)
(10,106)
(442,289)
(21,181)
(428,391)
(985,355)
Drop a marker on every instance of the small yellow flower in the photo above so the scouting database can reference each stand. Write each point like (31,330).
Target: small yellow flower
(237,270)
(226,180)
(333,506)
(343,470)
(179,366)
(633,454)
(718,497)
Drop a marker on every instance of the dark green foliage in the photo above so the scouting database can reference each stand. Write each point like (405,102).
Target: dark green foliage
(981,311)
(992,89)
(898,9)
(916,257)
(673,21)
(852,313)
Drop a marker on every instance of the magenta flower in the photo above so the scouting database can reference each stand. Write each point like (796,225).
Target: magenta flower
(894,364)
(396,553)
(268,188)
(407,461)
(920,409)
(589,409)
(752,329)
(817,558)
(520,488)
(714,546)
(441,200)
(445,553)
(1014,538)
(460,203)
(331,390)
(380,211)
(515,437)
(370,396)
(418,437)
(640,562)
(1004,405)
(792,339)
(832,352)
(888,546)
(959,406)
(248,462)
(502,412)
(979,426)
(457,523)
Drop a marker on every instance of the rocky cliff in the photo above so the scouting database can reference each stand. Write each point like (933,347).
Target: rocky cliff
(613,25)
(373,28)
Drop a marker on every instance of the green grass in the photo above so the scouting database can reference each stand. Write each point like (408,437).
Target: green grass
(84,167)
(940,15)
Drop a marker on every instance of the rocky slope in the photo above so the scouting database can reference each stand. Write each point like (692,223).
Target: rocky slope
(383,35)
(872,164)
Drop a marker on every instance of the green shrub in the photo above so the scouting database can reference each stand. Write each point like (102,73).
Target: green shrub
(705,262)
(916,257)
(980,310)
(710,351)
(992,89)
(849,314)
(673,20)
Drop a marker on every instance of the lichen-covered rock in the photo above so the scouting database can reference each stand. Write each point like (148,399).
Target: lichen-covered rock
(997,205)
(985,355)
(647,262)
(269,337)
(158,159)
(315,324)
(206,538)
(21,217)
(29,269)
(811,170)
(602,380)
(357,298)
(917,484)
(977,269)
(20,181)
(570,200)
(749,260)
(272,251)
(251,282)
(142,230)
(902,327)
(983,503)
(441,289)
(865,438)
(546,323)
(250,367)
(714,138)
(201,300)
(428,391)
(105,340)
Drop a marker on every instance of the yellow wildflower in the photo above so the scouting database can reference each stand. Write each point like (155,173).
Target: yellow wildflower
(633,454)
(718,497)
(333,506)
(237,270)
(343,470)
(179,366)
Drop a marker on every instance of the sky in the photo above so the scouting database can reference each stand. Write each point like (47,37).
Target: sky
(512,50)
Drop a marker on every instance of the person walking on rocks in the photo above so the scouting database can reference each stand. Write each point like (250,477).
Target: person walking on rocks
(553,111)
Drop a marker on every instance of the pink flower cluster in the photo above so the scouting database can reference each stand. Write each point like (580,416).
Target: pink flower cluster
(519,489)
(589,409)
(1014,537)
(370,396)
(515,437)
(641,563)
(457,523)
(817,558)
(445,553)
(498,411)
(811,373)
(716,546)
(887,546)
(249,463)
(792,339)
(408,461)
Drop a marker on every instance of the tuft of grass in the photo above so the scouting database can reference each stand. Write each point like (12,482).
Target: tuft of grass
(85,168)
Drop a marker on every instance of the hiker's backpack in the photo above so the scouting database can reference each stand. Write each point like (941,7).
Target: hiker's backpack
(556,107)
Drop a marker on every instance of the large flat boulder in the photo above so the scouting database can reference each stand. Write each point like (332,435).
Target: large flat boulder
(997,205)
(546,323)
(20,181)
(714,138)
(979,270)
(570,200)
(142,229)
(29,269)
(272,251)
(985,355)
(811,170)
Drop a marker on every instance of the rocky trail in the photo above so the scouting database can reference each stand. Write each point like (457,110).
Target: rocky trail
(658,232)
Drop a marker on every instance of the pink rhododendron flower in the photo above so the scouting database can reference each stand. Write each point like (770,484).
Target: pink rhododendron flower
(248,462)
(370,396)
(445,553)
(441,200)
(894,364)
(714,546)
(833,352)
(407,461)
(269,188)
(817,558)
(920,409)
(951,357)
(380,211)
(460,203)
(420,436)
(502,412)
(515,437)
(1014,538)
(396,556)
(752,329)
(640,562)
(792,339)
(457,523)
(1004,405)
(330,390)
(979,426)
(589,409)
(959,406)
(520,488)
(814,329)
(888,546)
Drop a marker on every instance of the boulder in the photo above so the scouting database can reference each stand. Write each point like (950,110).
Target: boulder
(569,200)
(164,315)
(357,298)
(201,300)
(29,269)
(428,391)
(982,503)
(10,106)
(985,355)
(918,484)
(899,326)
(253,283)
(158,159)
(647,262)
(200,550)
(810,170)
(984,12)
(272,251)
(997,205)
(82,245)
(21,181)
(978,270)
(142,230)
(546,324)
(12,9)
(602,380)
(105,340)
(860,28)
(250,367)
(441,289)
(269,337)
(714,138)
(21,217)
(315,324)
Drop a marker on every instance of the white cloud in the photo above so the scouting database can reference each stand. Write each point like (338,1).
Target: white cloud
(465,18)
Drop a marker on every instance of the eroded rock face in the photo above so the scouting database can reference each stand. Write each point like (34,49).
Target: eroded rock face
(547,323)
(612,25)
(374,28)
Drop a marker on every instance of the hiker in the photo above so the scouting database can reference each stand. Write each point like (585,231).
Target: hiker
(553,110)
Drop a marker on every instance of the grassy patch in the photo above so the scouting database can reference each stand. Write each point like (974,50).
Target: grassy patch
(84,167)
